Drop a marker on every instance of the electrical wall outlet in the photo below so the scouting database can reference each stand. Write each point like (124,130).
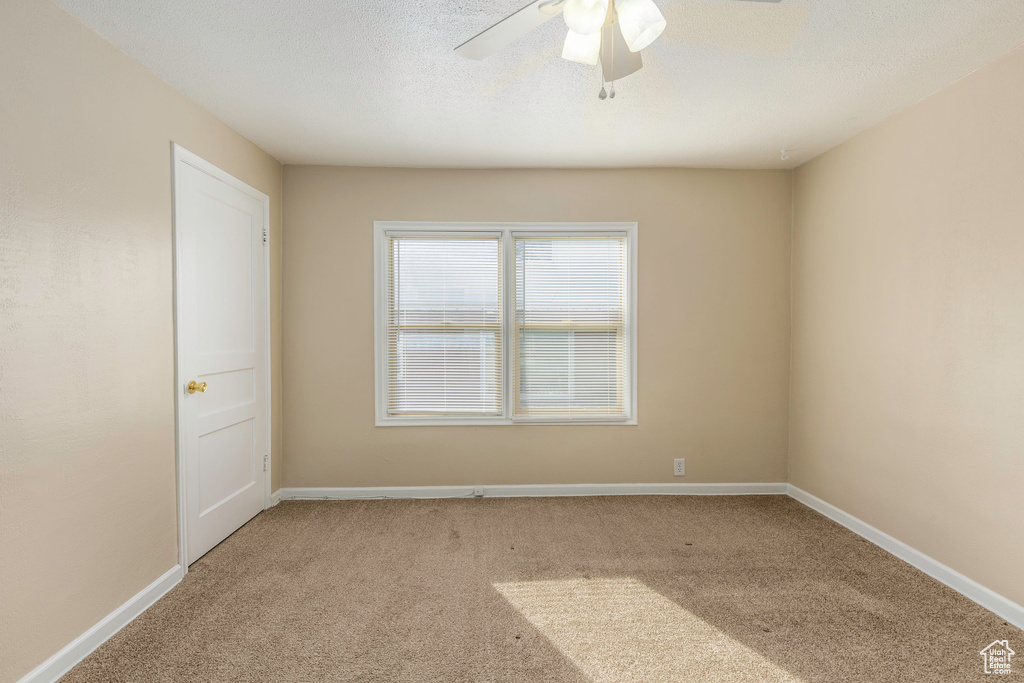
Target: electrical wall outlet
(679,467)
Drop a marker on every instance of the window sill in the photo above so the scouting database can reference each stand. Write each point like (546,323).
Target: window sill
(498,421)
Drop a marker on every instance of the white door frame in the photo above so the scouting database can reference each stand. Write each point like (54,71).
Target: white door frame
(181,155)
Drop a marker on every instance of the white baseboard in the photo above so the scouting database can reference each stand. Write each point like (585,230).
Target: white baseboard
(531,490)
(59,664)
(275,498)
(990,600)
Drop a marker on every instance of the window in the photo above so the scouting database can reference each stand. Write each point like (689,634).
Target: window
(443,325)
(505,324)
(570,327)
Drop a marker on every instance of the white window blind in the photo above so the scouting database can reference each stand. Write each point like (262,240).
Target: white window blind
(443,325)
(571,355)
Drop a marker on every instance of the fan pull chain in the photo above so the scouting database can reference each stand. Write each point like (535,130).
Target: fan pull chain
(603,94)
(612,50)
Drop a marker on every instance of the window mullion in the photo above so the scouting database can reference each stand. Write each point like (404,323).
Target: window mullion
(508,384)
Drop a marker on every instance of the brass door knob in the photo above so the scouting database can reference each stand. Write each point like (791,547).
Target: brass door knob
(195,386)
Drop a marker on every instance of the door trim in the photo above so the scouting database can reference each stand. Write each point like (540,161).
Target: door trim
(180,155)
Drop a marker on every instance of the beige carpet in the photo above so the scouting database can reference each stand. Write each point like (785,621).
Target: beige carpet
(552,589)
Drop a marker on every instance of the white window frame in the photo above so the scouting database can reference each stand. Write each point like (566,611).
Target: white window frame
(383,229)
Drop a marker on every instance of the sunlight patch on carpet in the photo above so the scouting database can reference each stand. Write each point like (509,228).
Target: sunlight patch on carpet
(620,630)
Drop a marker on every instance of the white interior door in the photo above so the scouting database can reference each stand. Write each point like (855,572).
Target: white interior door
(221,311)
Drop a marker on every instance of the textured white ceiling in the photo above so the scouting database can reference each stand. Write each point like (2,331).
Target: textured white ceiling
(375,82)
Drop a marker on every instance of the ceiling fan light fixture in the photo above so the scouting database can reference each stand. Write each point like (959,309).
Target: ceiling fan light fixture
(641,22)
(585,49)
(585,17)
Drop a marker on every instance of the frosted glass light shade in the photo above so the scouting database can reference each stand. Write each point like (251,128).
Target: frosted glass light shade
(581,48)
(641,22)
(585,17)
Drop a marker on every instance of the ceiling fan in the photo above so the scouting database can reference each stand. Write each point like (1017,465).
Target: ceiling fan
(610,31)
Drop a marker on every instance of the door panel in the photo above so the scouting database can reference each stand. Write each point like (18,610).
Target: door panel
(221,320)
(225,465)
(224,250)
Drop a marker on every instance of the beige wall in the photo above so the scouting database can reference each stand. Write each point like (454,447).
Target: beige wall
(713,327)
(908,337)
(87,464)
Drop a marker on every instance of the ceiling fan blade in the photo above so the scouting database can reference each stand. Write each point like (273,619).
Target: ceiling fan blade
(510,28)
(616,59)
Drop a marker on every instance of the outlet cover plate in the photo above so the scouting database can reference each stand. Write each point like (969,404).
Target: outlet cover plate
(679,467)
